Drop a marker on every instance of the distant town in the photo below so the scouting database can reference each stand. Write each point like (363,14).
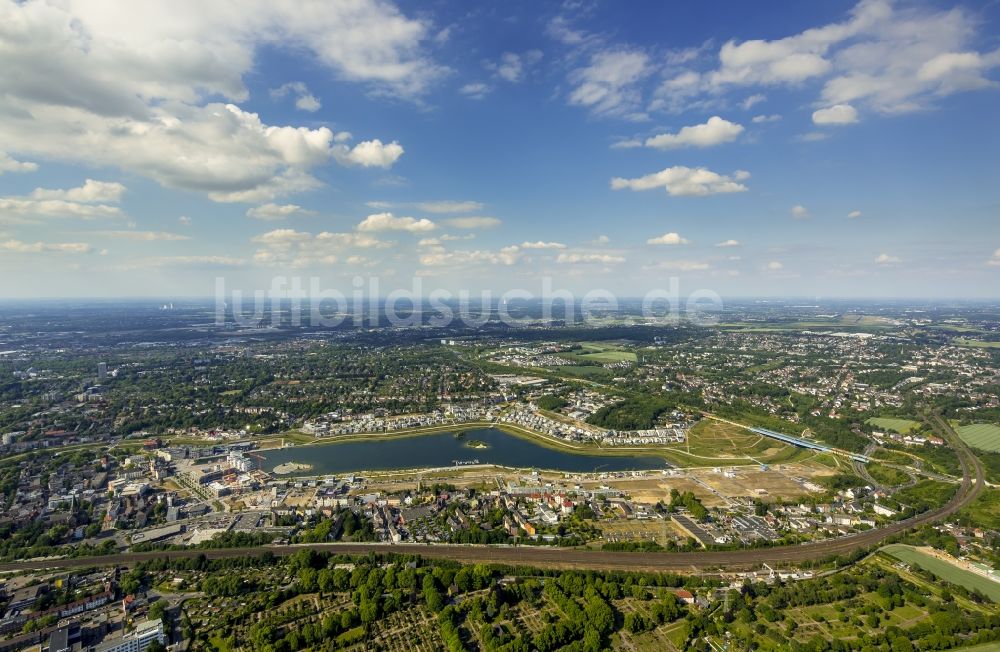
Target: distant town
(761,432)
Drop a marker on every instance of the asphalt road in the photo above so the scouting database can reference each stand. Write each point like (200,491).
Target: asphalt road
(973,481)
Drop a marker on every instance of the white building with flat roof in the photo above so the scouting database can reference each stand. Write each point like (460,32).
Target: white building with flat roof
(137,640)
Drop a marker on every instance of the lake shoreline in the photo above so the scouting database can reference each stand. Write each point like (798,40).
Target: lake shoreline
(502,448)
(546,441)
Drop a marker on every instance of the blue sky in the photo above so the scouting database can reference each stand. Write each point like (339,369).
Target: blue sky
(810,149)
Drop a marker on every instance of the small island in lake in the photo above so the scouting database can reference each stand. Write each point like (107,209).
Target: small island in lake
(476,443)
(292,467)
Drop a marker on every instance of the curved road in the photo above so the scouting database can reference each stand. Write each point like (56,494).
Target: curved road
(973,481)
(859,467)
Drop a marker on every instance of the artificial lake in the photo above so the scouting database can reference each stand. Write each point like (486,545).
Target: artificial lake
(444,450)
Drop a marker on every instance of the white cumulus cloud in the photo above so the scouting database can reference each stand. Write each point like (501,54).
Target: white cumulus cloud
(370,153)
(16,246)
(389,222)
(568,258)
(9,164)
(542,245)
(300,249)
(304,100)
(838,114)
(281,237)
(683,181)
(672,238)
(154,88)
(91,191)
(800,212)
(890,57)
(459,258)
(713,132)
(88,201)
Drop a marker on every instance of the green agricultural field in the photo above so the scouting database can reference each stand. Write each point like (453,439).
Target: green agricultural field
(958,328)
(902,426)
(605,357)
(845,322)
(600,353)
(976,344)
(582,371)
(608,345)
(984,436)
(944,570)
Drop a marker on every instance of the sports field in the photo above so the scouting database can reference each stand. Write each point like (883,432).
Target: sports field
(944,570)
(984,436)
(902,426)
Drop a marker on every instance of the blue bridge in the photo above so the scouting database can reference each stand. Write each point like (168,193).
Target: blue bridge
(804,443)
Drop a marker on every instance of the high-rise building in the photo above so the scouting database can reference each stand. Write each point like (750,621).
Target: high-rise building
(102,371)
